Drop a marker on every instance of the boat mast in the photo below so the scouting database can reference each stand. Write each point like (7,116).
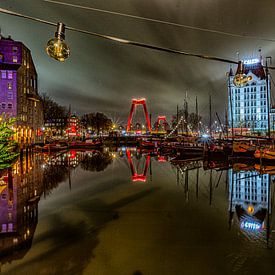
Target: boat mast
(210,115)
(231,107)
(197,116)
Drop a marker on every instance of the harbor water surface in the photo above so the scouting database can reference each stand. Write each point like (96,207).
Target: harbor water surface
(126,212)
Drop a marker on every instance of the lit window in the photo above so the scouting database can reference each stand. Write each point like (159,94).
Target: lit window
(9,85)
(4,227)
(10,227)
(1,58)
(9,75)
(3,74)
(14,59)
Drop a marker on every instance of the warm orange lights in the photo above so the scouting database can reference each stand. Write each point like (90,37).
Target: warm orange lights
(250,209)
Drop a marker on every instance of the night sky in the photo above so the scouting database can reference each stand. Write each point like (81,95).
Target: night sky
(103,76)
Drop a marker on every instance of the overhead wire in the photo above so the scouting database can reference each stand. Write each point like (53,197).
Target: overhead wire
(161,21)
(122,40)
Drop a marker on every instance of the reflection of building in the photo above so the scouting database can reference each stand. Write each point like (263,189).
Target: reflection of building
(69,159)
(18,84)
(249,198)
(249,103)
(21,187)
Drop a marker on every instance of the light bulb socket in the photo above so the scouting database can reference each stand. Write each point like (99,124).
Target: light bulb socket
(240,69)
(60,31)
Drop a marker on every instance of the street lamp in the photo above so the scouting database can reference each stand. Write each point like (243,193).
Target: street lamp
(56,47)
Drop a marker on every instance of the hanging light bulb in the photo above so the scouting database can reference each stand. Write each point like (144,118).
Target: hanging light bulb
(56,47)
(241,79)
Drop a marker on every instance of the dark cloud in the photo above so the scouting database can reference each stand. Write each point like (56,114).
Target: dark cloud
(104,76)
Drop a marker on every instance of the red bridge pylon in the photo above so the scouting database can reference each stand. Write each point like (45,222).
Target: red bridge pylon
(135,103)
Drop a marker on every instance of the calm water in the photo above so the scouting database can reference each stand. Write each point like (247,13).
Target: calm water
(129,213)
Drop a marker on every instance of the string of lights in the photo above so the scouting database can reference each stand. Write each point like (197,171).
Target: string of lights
(61,34)
(161,21)
(176,127)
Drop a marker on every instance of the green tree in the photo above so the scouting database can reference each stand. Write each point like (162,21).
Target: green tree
(7,145)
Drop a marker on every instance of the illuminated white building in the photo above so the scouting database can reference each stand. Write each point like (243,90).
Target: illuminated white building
(249,102)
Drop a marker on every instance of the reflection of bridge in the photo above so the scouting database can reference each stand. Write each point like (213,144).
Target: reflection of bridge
(135,176)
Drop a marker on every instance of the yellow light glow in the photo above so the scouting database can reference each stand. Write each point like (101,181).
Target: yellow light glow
(250,209)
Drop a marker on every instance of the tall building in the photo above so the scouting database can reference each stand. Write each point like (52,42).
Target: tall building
(249,102)
(18,90)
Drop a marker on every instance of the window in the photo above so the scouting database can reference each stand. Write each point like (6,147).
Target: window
(9,75)
(9,85)
(10,227)
(4,227)
(14,49)
(3,105)
(3,74)
(14,59)
(10,95)
(9,105)
(1,58)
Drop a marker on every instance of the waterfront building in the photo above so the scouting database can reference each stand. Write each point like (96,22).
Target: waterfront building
(74,127)
(56,126)
(18,90)
(249,109)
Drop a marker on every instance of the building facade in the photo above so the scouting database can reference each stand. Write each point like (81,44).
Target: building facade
(18,90)
(249,109)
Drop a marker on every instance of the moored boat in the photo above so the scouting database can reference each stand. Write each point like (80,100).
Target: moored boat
(265,154)
(53,147)
(86,145)
(243,147)
(265,169)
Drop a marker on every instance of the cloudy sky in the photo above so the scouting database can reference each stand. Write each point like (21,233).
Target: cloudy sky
(103,76)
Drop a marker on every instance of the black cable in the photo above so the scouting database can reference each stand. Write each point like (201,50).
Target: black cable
(124,41)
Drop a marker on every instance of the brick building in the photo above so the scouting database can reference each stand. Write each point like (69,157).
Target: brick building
(18,90)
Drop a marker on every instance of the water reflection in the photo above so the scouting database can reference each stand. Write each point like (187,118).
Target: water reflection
(96,161)
(249,200)
(21,187)
(138,176)
(246,190)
